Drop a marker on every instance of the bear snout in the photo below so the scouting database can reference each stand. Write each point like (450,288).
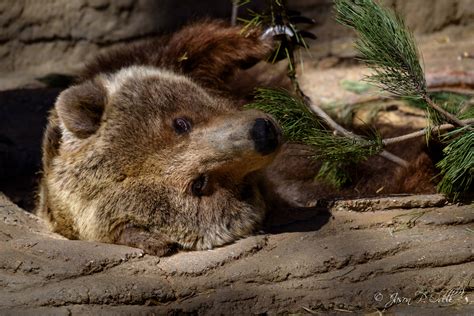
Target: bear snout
(265,135)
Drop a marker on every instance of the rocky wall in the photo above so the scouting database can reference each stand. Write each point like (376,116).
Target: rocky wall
(45,36)
(40,37)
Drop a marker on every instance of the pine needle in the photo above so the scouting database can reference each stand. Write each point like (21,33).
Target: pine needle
(386,45)
(450,102)
(299,125)
(457,167)
(297,122)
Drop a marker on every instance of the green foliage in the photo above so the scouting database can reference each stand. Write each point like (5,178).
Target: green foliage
(388,47)
(297,122)
(453,103)
(341,112)
(449,101)
(457,166)
(255,20)
(385,45)
(468,113)
(301,126)
(337,148)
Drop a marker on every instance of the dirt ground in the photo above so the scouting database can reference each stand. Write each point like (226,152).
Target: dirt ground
(403,256)
(396,255)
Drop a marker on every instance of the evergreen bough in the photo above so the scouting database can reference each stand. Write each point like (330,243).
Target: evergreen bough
(457,166)
(387,47)
(338,152)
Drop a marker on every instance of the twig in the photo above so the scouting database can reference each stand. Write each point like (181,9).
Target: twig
(316,109)
(448,80)
(439,128)
(446,114)
(393,158)
(235,9)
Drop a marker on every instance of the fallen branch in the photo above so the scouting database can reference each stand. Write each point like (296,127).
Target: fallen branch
(316,109)
(439,128)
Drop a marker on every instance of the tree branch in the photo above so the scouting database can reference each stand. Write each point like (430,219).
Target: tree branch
(316,109)
(235,9)
(439,128)
(393,158)
(446,114)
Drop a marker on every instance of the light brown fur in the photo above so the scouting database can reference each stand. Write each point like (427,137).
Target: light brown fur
(114,168)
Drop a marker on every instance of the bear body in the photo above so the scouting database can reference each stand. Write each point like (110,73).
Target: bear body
(149,149)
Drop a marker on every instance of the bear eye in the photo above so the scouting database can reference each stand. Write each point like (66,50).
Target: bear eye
(200,185)
(182,125)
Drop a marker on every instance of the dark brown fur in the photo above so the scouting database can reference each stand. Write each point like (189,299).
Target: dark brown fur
(208,52)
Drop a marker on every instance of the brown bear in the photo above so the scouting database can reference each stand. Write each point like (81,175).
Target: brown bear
(150,150)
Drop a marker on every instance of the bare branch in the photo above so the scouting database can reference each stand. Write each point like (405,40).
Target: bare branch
(235,9)
(439,128)
(393,158)
(316,109)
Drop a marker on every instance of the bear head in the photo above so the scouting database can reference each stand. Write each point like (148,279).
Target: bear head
(150,148)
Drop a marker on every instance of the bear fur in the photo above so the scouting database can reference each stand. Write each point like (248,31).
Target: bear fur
(150,149)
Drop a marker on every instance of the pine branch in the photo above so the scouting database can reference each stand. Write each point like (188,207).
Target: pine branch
(428,130)
(300,125)
(316,109)
(446,114)
(457,167)
(338,128)
(388,47)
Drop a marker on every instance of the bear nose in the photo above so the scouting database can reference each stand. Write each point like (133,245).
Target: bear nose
(265,135)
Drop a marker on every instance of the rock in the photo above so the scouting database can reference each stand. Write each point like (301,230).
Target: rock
(389,203)
(301,269)
(41,37)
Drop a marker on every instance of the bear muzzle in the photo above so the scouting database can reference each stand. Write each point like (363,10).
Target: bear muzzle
(242,142)
(266,136)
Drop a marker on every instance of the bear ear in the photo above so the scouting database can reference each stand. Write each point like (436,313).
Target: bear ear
(80,108)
